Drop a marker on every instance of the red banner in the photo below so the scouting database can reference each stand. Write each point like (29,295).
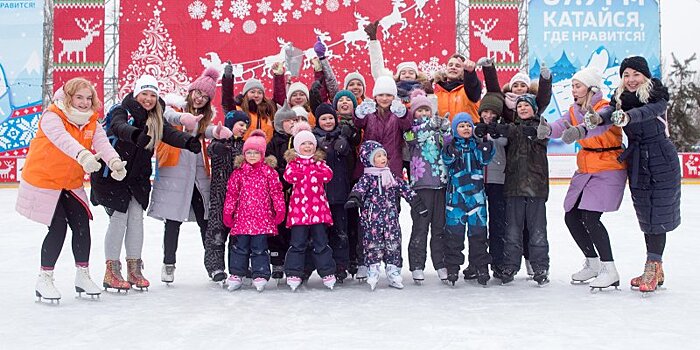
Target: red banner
(175,41)
(690,165)
(493,27)
(78,46)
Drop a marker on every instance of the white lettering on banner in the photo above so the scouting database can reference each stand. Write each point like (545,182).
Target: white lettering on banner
(609,36)
(599,19)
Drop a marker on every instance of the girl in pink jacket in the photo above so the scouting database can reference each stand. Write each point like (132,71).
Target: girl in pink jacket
(51,189)
(253,208)
(309,212)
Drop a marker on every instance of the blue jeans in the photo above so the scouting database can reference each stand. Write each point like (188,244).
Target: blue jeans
(254,246)
(322,254)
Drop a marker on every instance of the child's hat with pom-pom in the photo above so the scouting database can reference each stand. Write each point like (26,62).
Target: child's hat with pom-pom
(520,77)
(418,100)
(256,141)
(302,133)
(206,83)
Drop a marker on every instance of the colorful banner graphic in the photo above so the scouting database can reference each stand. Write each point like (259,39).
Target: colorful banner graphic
(570,35)
(175,41)
(78,42)
(20,80)
(494,33)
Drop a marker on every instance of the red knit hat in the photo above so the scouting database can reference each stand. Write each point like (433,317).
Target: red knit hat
(206,83)
(256,141)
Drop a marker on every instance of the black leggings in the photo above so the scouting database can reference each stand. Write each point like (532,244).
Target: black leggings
(588,232)
(70,211)
(172,228)
(655,244)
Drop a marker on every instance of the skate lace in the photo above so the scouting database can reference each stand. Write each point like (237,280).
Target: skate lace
(169,269)
(117,271)
(649,272)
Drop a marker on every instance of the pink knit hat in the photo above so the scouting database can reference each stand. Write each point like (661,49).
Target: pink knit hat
(206,83)
(302,133)
(256,141)
(418,100)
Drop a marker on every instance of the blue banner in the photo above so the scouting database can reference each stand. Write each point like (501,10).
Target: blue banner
(568,35)
(21,69)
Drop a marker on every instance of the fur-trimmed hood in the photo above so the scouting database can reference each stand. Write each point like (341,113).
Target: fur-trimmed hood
(291,155)
(240,159)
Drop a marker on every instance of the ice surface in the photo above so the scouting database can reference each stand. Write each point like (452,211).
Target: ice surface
(195,313)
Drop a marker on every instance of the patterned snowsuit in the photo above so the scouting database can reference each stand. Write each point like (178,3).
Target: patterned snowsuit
(379,215)
(466,202)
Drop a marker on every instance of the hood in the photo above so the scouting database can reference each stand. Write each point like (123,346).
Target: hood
(367,150)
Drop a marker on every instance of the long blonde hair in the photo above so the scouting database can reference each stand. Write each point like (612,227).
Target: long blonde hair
(643,92)
(154,122)
(72,86)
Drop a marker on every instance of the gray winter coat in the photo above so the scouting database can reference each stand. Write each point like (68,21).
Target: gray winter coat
(496,170)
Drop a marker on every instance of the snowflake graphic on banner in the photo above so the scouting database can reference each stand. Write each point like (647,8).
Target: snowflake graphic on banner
(264,7)
(156,55)
(431,66)
(240,8)
(197,10)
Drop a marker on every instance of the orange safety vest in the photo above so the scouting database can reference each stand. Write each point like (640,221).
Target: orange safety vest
(599,153)
(455,101)
(46,166)
(168,155)
(265,127)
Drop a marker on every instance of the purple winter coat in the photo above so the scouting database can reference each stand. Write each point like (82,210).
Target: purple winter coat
(388,131)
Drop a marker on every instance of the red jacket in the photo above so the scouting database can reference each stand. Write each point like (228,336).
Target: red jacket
(308,204)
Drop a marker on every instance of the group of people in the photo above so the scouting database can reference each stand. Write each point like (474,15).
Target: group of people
(312,178)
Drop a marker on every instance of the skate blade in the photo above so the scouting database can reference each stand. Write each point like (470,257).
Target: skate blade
(578,283)
(418,282)
(46,301)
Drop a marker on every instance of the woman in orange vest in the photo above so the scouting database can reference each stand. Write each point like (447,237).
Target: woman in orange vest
(181,187)
(260,109)
(599,182)
(51,188)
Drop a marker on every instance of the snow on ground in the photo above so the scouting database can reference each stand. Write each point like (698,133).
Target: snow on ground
(196,313)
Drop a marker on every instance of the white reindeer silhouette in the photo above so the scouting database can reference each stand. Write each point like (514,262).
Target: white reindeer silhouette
(359,34)
(279,57)
(420,4)
(309,54)
(80,45)
(5,173)
(493,46)
(393,18)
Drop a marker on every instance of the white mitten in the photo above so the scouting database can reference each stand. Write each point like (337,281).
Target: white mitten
(365,108)
(398,108)
(118,168)
(89,162)
(620,118)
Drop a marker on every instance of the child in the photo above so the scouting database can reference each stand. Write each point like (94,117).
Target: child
(285,118)
(184,177)
(260,109)
(653,168)
(377,195)
(526,190)
(254,206)
(465,158)
(428,178)
(309,213)
(333,139)
(51,188)
(138,127)
(222,153)
(490,111)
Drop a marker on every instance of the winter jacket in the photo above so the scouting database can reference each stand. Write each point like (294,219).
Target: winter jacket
(600,179)
(496,170)
(527,168)
(425,143)
(543,95)
(51,165)
(338,188)
(465,160)
(459,96)
(229,102)
(221,169)
(308,204)
(254,200)
(281,143)
(652,160)
(128,122)
(387,130)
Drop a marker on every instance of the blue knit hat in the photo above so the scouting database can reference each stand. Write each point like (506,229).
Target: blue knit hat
(461,117)
(234,117)
(530,99)
(347,94)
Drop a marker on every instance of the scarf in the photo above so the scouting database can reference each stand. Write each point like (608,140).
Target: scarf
(75,116)
(630,100)
(386,177)
(510,100)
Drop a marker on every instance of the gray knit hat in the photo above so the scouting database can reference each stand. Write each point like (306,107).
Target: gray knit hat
(354,76)
(283,114)
(252,83)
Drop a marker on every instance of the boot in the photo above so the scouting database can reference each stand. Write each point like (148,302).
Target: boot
(84,284)
(607,277)
(442,274)
(362,273)
(218,276)
(134,276)
(45,288)
(329,281)
(234,283)
(507,275)
(352,268)
(453,274)
(650,278)
(259,283)
(418,276)
(541,277)
(277,272)
(372,275)
(469,273)
(590,270)
(293,282)
(340,274)
(482,275)
(113,277)
(167,273)
(393,273)
(637,280)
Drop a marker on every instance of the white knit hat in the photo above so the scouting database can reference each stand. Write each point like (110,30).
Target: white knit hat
(353,76)
(146,83)
(297,86)
(384,85)
(301,112)
(589,77)
(407,65)
(522,77)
